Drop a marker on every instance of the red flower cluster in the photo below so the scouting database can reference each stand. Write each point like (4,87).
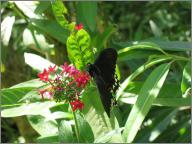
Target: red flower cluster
(79,27)
(44,76)
(77,104)
(65,83)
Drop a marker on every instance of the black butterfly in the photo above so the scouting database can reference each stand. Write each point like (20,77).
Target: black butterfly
(103,72)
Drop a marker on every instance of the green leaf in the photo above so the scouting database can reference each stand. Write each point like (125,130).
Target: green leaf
(101,39)
(147,95)
(10,97)
(78,48)
(6,29)
(27,109)
(136,54)
(155,29)
(48,139)
(37,62)
(43,127)
(86,14)
(31,83)
(36,108)
(28,8)
(172,131)
(163,44)
(162,124)
(85,131)
(171,102)
(31,38)
(52,28)
(65,132)
(106,138)
(140,70)
(42,7)
(160,121)
(59,10)
(186,80)
(94,112)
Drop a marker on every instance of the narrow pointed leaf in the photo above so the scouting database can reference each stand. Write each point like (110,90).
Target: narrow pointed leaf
(147,95)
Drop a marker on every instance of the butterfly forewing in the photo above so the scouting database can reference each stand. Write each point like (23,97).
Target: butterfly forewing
(103,72)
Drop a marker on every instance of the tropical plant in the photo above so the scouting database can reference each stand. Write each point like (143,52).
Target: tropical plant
(154,95)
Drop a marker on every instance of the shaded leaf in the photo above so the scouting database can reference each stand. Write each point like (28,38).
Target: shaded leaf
(86,14)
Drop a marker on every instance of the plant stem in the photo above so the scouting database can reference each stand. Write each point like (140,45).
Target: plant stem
(76,125)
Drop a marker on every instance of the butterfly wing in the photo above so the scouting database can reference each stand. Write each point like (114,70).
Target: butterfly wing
(104,75)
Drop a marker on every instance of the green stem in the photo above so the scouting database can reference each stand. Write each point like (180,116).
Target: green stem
(76,125)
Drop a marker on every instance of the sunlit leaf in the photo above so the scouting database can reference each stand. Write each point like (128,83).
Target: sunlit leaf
(27,109)
(85,131)
(186,80)
(147,95)
(65,132)
(37,62)
(28,8)
(44,128)
(78,48)
(60,11)
(6,28)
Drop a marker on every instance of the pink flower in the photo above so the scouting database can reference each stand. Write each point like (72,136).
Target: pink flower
(48,95)
(78,27)
(71,70)
(44,93)
(44,76)
(77,104)
(82,79)
(51,69)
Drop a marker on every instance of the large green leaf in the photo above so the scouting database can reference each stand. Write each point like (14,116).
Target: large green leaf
(37,62)
(86,14)
(10,97)
(147,95)
(43,127)
(163,44)
(78,48)
(160,121)
(108,136)
(171,102)
(94,112)
(65,132)
(85,132)
(52,28)
(28,8)
(6,29)
(31,83)
(59,10)
(140,70)
(36,108)
(48,139)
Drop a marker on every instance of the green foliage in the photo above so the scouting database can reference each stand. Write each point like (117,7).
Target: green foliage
(153,44)
(147,94)
(87,14)
(59,10)
(78,47)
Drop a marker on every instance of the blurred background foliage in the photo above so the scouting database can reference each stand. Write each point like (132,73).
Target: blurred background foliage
(32,27)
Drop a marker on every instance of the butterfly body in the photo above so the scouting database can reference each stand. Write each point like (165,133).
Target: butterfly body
(103,72)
